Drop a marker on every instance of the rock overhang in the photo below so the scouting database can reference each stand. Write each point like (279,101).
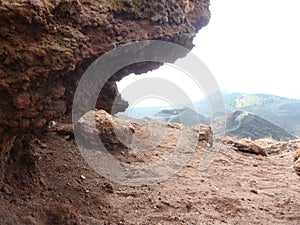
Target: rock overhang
(47,45)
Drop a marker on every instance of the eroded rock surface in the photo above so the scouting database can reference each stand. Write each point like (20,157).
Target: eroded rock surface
(45,47)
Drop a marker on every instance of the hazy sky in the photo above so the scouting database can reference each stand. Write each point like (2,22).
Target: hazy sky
(250,46)
(253,45)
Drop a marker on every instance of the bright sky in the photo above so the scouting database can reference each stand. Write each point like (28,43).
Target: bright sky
(250,46)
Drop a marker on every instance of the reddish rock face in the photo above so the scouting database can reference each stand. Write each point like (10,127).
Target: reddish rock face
(45,47)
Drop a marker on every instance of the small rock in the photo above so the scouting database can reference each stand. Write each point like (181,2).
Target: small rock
(29,220)
(22,100)
(4,31)
(127,3)
(108,187)
(6,189)
(119,38)
(254,191)
(58,91)
(52,124)
(44,145)
(65,129)
(165,19)
(245,146)
(205,134)
(188,204)
(159,205)
(156,18)
(297,155)
(82,177)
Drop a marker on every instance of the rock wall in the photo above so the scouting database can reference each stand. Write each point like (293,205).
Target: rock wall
(45,47)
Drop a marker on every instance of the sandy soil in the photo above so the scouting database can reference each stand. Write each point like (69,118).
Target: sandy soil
(237,188)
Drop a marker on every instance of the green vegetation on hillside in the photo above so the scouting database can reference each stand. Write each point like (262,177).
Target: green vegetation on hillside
(240,100)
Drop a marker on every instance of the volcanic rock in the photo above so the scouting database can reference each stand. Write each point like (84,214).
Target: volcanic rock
(65,129)
(205,134)
(115,134)
(245,146)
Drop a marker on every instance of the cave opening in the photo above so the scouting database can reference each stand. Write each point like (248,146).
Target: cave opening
(163,94)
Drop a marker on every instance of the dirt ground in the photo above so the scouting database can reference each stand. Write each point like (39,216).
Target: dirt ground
(57,186)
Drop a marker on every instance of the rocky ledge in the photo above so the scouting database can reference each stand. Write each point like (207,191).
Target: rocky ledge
(47,45)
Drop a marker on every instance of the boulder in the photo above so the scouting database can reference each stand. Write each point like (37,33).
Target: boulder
(114,133)
(245,146)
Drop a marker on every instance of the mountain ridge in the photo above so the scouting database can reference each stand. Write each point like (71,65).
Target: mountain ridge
(281,111)
(244,124)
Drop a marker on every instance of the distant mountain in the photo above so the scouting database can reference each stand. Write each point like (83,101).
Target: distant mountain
(281,111)
(141,112)
(185,116)
(244,124)
(124,116)
(252,101)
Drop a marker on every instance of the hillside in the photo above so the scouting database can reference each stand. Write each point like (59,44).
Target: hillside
(140,112)
(281,111)
(185,116)
(252,101)
(244,124)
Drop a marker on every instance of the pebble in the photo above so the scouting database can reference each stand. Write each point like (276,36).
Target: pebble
(44,145)
(29,220)
(82,177)
(108,187)
(254,191)
(4,32)
(6,189)
(52,124)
